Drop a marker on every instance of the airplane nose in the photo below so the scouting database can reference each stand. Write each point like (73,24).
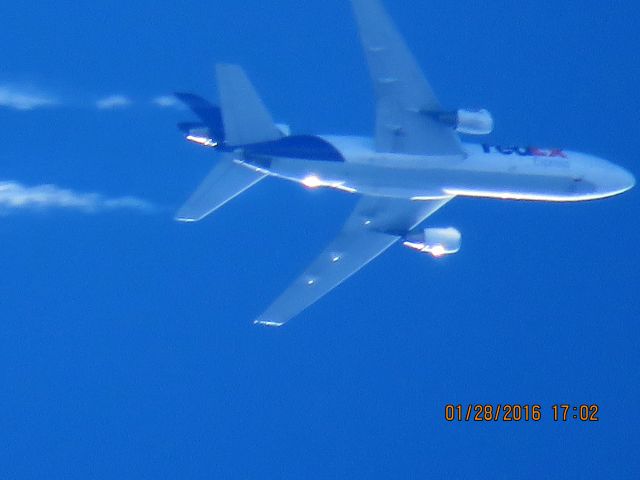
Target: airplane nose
(613,179)
(626,179)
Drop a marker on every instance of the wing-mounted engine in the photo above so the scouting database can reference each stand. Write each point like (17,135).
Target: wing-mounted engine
(436,241)
(470,122)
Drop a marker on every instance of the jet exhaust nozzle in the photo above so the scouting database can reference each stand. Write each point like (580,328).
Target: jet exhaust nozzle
(199,133)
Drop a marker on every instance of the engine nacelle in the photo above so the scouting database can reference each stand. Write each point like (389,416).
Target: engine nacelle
(436,241)
(470,122)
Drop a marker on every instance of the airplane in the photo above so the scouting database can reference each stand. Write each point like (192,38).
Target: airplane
(413,166)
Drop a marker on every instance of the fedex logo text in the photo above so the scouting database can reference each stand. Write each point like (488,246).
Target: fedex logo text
(524,151)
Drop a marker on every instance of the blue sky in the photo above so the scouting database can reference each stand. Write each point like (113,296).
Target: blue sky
(126,344)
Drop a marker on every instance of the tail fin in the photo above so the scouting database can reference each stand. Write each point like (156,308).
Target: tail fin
(245,118)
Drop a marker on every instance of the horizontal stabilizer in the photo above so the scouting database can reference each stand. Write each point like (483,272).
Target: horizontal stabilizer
(226,181)
(209,115)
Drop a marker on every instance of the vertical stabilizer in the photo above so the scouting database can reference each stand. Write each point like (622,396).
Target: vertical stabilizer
(246,119)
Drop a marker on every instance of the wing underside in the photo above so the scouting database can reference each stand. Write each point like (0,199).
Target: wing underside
(406,105)
(375,225)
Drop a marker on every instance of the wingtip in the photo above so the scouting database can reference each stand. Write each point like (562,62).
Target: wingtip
(185,219)
(267,323)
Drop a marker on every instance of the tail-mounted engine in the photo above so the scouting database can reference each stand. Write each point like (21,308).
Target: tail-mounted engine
(199,133)
(436,241)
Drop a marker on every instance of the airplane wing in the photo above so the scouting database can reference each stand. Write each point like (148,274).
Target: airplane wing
(405,101)
(226,181)
(375,225)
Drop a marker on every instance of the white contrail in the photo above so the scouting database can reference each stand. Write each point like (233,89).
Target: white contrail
(15,196)
(25,99)
(166,101)
(113,102)
(18,99)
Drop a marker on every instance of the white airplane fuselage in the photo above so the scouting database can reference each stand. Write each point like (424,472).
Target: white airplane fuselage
(486,171)
(414,165)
